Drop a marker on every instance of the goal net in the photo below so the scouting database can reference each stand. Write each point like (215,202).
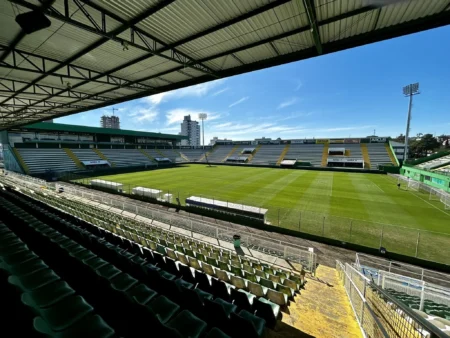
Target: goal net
(441,196)
(413,185)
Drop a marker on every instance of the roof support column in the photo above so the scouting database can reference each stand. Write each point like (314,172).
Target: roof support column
(312,17)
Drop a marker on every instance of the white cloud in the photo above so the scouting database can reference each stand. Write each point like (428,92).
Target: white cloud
(196,91)
(176,115)
(294,116)
(220,91)
(287,103)
(144,115)
(299,85)
(238,101)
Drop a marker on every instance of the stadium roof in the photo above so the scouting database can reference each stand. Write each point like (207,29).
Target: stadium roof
(101,52)
(94,130)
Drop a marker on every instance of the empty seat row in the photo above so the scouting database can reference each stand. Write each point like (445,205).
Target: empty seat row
(35,290)
(42,160)
(131,263)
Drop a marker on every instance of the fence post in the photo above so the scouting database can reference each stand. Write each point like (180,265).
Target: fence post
(381,237)
(323,226)
(417,243)
(351,225)
(422,297)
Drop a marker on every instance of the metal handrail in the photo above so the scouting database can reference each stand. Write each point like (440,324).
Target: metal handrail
(434,331)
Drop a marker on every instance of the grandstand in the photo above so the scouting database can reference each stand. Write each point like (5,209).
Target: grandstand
(74,266)
(268,153)
(154,272)
(311,153)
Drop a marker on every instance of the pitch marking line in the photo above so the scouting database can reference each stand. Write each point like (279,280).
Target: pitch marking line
(429,203)
(378,187)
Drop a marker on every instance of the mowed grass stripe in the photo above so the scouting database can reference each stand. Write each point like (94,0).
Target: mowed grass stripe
(369,198)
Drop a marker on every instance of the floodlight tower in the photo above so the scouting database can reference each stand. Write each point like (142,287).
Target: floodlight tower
(203,116)
(409,90)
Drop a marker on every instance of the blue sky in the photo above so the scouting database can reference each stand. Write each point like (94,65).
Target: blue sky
(349,93)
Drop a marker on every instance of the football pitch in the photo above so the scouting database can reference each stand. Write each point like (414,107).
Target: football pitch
(365,209)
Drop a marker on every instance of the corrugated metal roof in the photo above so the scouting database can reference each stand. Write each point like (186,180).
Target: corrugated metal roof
(108,51)
(94,130)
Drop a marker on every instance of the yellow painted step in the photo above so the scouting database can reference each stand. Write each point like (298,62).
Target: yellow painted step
(21,161)
(365,153)
(74,158)
(347,152)
(231,152)
(146,155)
(183,156)
(254,153)
(103,157)
(283,153)
(324,155)
(391,155)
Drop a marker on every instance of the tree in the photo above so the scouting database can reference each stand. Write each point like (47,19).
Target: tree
(420,148)
(400,138)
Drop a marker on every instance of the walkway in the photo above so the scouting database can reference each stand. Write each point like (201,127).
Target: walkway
(321,310)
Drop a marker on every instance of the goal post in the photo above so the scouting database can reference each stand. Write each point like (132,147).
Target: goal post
(413,185)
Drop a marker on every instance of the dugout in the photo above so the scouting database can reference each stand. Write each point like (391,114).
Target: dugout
(336,151)
(227,207)
(345,163)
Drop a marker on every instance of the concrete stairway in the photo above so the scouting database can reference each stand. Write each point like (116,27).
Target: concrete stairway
(74,158)
(283,154)
(365,154)
(103,157)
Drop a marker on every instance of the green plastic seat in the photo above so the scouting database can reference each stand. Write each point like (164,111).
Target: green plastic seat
(286,290)
(224,266)
(123,282)
(267,283)
(277,297)
(164,308)
(250,276)
(187,325)
(34,280)
(12,246)
(260,273)
(19,257)
(267,310)
(108,271)
(91,326)
(65,313)
(216,333)
(291,284)
(25,268)
(47,295)
(236,271)
(248,325)
(212,261)
(275,279)
(95,263)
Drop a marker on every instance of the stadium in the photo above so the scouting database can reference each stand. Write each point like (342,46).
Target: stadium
(109,232)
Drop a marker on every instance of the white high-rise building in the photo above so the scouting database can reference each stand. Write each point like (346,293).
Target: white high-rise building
(191,129)
(112,122)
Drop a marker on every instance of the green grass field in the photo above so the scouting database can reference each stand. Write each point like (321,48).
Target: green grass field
(366,209)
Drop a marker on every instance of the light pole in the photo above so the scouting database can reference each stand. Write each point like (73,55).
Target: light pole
(409,90)
(203,116)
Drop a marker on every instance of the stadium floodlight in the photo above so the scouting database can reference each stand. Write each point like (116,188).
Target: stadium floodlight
(203,117)
(409,90)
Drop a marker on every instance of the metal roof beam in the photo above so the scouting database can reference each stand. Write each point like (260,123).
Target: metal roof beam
(193,37)
(176,56)
(414,26)
(254,44)
(9,86)
(312,18)
(40,64)
(100,42)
